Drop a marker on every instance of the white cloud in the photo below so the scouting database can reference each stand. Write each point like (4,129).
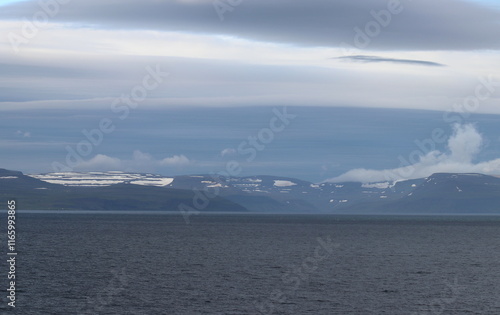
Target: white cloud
(140,162)
(227,151)
(24,134)
(139,156)
(464,145)
(100,162)
(176,160)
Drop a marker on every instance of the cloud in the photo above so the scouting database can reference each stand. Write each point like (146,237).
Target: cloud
(227,151)
(375,59)
(24,134)
(141,157)
(176,160)
(314,23)
(463,146)
(140,162)
(100,162)
(7,2)
(87,67)
(199,82)
(268,52)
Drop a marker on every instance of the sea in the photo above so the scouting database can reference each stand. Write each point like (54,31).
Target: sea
(157,263)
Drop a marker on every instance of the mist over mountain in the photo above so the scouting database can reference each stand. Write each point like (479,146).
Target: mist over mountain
(459,156)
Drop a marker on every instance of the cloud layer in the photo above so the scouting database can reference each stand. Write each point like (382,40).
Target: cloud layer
(262,53)
(314,23)
(463,146)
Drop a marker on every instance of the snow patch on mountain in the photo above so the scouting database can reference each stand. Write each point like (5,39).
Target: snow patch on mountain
(100,179)
(153,181)
(383,185)
(283,183)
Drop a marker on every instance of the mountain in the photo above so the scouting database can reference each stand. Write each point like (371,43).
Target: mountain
(450,193)
(256,193)
(282,194)
(440,193)
(32,193)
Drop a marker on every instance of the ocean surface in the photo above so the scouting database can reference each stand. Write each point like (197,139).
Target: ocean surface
(120,263)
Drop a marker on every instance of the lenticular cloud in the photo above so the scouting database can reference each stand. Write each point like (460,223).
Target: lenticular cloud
(462,148)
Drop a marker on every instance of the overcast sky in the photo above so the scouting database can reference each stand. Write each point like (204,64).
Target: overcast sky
(82,55)
(296,51)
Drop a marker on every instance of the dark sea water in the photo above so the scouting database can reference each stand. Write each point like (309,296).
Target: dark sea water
(254,264)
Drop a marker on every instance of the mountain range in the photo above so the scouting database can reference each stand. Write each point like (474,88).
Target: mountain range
(441,193)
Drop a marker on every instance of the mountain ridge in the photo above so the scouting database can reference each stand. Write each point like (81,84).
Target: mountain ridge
(34,194)
(440,193)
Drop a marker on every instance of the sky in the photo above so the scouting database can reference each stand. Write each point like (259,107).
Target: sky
(357,68)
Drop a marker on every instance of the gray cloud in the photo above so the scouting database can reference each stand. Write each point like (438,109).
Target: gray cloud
(205,82)
(375,59)
(421,25)
(104,77)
